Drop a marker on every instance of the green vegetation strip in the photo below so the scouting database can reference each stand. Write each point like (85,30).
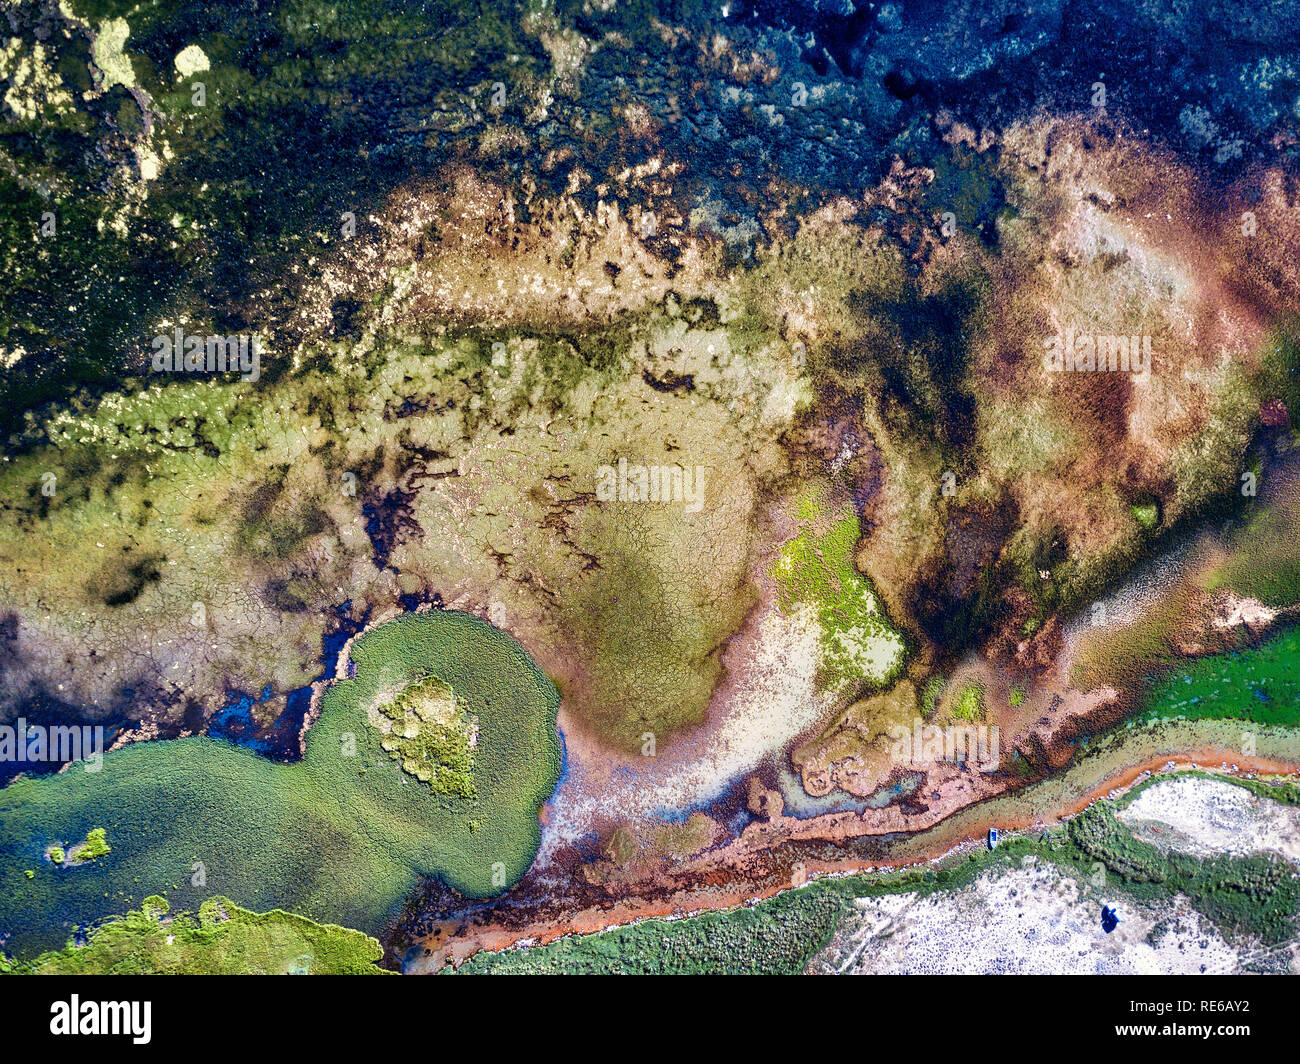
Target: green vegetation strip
(220,939)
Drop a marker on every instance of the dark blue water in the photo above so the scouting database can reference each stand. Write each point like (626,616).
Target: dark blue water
(234,722)
(49,715)
(281,740)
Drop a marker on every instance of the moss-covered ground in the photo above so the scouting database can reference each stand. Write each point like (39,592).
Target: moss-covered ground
(219,939)
(859,646)
(1260,686)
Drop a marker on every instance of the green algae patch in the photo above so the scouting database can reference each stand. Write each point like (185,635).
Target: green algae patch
(931,693)
(96,845)
(970,706)
(341,836)
(430,735)
(93,847)
(219,939)
(1261,686)
(815,569)
(1147,514)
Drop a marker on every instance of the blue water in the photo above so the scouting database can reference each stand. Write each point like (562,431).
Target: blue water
(48,718)
(281,740)
(234,722)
